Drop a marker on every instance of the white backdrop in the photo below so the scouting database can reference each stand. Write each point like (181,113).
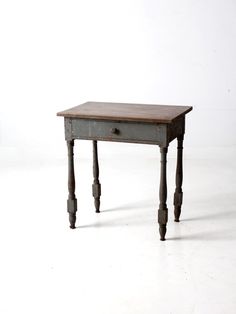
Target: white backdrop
(57,54)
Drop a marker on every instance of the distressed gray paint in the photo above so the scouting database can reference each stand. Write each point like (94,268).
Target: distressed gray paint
(131,132)
(144,133)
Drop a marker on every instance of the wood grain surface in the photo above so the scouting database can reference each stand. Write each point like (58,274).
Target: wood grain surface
(126,112)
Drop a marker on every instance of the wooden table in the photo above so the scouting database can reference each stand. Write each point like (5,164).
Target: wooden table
(132,123)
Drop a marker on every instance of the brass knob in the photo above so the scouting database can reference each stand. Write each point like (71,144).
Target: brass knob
(115,131)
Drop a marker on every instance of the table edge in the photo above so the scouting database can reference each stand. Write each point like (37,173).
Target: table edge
(109,118)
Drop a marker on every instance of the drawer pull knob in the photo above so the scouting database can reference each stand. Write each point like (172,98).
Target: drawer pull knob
(115,131)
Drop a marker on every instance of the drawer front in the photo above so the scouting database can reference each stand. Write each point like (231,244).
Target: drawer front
(115,131)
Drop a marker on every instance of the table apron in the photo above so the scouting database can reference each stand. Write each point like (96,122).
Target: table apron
(120,131)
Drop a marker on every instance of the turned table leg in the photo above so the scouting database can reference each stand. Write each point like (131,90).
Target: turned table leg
(96,184)
(163,211)
(178,196)
(71,202)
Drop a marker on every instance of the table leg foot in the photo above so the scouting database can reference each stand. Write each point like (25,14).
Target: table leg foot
(162,230)
(97,204)
(178,196)
(72,219)
(162,220)
(177,219)
(72,208)
(96,194)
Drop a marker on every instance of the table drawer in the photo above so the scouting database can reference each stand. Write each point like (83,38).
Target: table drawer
(115,131)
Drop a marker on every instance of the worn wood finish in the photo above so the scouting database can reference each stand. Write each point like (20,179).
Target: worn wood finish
(132,123)
(163,211)
(178,196)
(71,202)
(96,184)
(126,112)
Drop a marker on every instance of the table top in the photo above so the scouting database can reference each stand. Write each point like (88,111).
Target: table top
(126,112)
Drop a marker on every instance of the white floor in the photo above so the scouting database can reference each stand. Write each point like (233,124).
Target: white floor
(114,263)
